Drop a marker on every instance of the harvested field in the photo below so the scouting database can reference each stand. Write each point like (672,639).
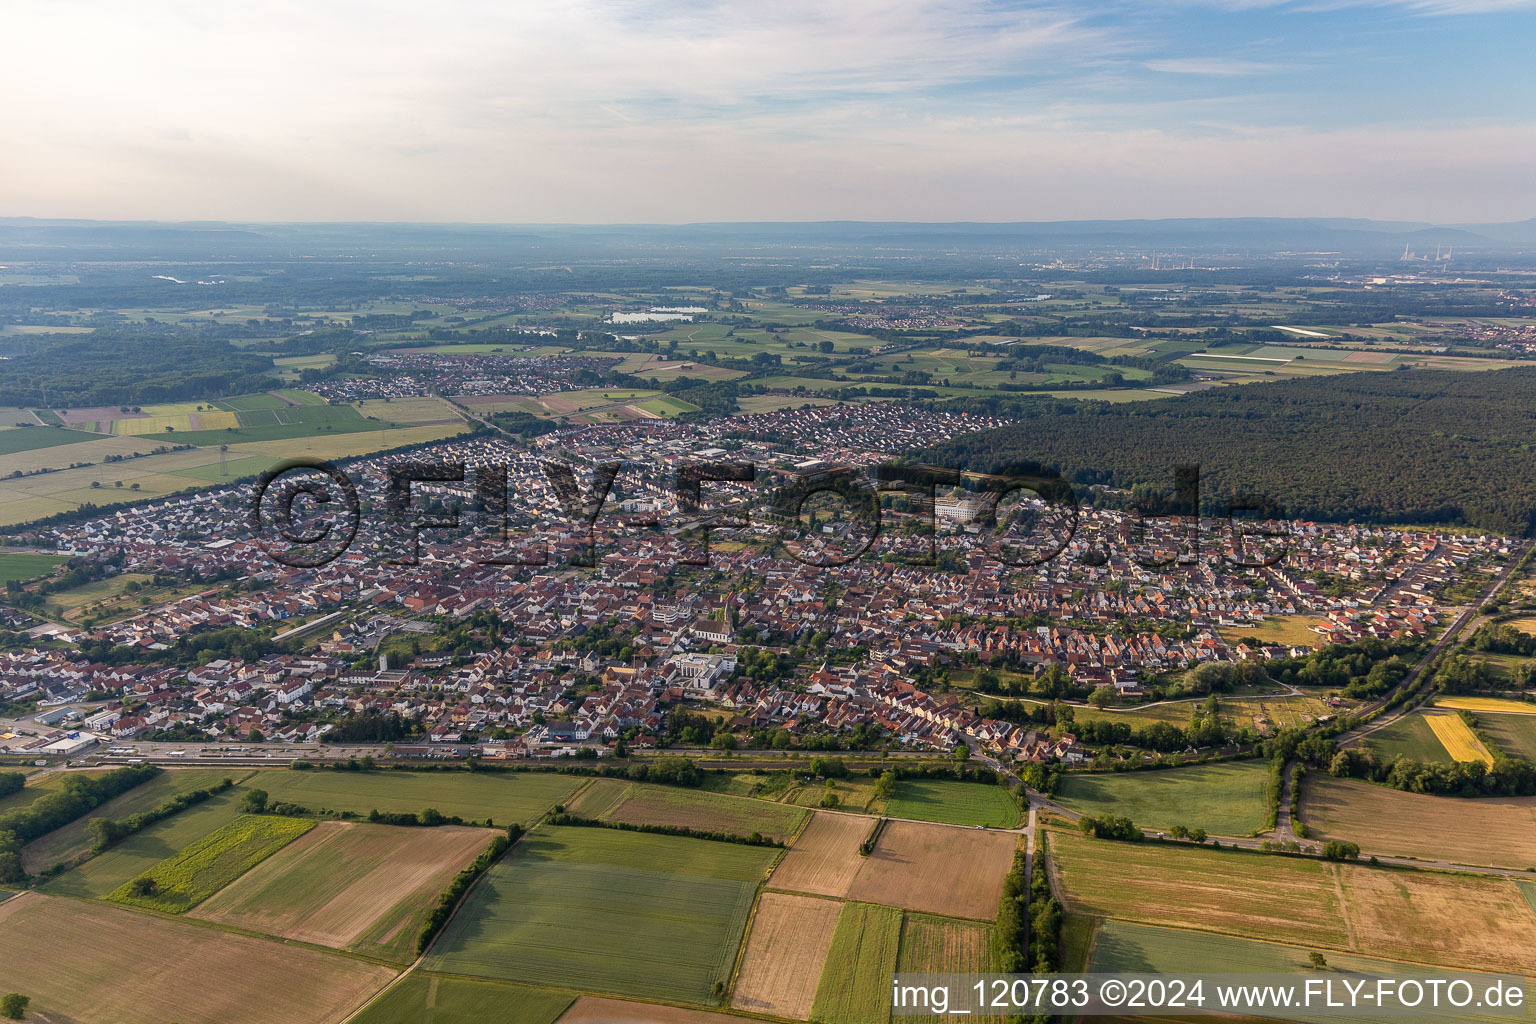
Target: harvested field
(422,998)
(597,1010)
(608,911)
(935,868)
(855,985)
(1459,740)
(785,954)
(641,804)
(349,886)
(258,981)
(1512,707)
(1455,920)
(825,858)
(1389,822)
(1215,890)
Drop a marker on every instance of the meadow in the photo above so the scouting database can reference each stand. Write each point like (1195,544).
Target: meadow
(203,868)
(141,851)
(855,984)
(641,804)
(1410,736)
(34,438)
(504,797)
(24,566)
(1390,823)
(422,998)
(608,911)
(106,963)
(73,839)
(1225,799)
(1514,734)
(349,885)
(954,802)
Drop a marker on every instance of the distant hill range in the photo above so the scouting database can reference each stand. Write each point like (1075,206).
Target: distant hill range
(23,238)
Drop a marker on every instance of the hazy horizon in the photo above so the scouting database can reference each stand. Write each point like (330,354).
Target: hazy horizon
(638,112)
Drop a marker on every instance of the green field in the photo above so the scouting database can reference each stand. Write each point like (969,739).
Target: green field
(26,439)
(421,998)
(144,849)
(223,855)
(1133,948)
(1227,799)
(1515,735)
(34,788)
(855,985)
(283,424)
(24,566)
(1409,736)
(611,800)
(954,802)
(73,839)
(1528,890)
(504,797)
(608,911)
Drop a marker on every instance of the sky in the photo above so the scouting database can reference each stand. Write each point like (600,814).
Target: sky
(635,111)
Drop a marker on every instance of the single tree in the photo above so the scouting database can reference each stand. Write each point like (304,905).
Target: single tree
(14,1005)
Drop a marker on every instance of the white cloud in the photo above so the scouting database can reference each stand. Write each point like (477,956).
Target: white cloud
(1210,66)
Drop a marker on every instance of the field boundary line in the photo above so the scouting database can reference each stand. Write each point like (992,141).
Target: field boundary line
(1349,926)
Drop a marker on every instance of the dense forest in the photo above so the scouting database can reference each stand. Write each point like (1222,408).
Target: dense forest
(1417,446)
(131,365)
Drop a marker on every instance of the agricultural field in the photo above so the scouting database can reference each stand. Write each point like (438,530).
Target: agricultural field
(855,984)
(1281,898)
(34,788)
(1390,823)
(608,911)
(597,1010)
(505,797)
(784,954)
(34,438)
(954,802)
(1475,922)
(24,566)
(936,869)
(940,945)
(1225,799)
(140,852)
(202,869)
(73,839)
(258,981)
(347,885)
(1123,947)
(1410,736)
(1514,734)
(421,998)
(641,804)
(825,856)
(411,411)
(1496,705)
(1479,922)
(1457,738)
